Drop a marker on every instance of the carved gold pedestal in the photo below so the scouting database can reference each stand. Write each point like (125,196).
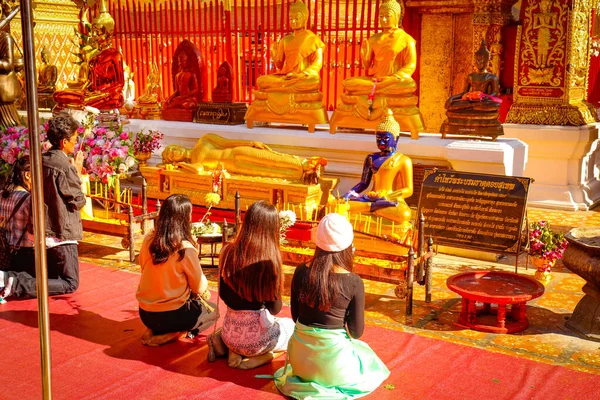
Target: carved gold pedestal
(146,111)
(163,182)
(472,123)
(221,113)
(295,108)
(577,114)
(354,113)
(45,101)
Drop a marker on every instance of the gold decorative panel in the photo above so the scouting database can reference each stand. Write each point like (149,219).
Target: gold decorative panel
(436,68)
(551,64)
(55,21)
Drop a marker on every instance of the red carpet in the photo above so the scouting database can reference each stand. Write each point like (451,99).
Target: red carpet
(97,354)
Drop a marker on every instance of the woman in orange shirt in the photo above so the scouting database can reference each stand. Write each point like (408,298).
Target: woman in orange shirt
(172,278)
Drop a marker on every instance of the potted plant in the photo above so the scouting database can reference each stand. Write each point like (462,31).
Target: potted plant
(545,247)
(145,143)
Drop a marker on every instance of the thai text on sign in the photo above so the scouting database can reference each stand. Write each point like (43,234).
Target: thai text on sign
(478,211)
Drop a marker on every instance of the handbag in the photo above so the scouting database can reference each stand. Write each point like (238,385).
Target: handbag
(5,248)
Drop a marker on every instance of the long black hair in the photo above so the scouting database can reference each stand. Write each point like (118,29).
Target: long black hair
(173,226)
(252,265)
(321,285)
(16,176)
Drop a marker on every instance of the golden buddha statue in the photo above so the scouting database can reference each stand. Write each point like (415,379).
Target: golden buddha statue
(103,76)
(475,110)
(241,157)
(292,93)
(47,77)
(48,74)
(392,177)
(10,65)
(128,90)
(391,58)
(148,105)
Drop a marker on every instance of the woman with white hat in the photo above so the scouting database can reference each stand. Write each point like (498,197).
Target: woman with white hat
(325,358)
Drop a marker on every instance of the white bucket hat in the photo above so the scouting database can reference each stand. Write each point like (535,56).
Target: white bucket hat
(334,233)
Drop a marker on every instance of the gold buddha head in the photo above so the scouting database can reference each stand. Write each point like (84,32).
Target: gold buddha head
(391,13)
(45,55)
(298,15)
(482,57)
(174,153)
(103,26)
(545,5)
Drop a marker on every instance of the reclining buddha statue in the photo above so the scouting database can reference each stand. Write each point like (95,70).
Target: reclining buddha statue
(475,110)
(392,176)
(241,157)
(103,79)
(292,94)
(391,59)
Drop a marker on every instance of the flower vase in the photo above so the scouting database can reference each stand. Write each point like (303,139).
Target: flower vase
(143,157)
(543,268)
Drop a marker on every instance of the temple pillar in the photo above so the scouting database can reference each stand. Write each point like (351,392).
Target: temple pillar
(451,32)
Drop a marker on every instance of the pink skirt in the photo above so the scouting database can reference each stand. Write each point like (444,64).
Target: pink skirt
(255,332)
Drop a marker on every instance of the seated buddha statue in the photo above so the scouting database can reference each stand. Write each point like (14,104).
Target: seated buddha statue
(391,58)
(392,177)
(475,110)
(187,82)
(292,93)
(241,157)
(148,105)
(46,85)
(223,92)
(48,74)
(103,88)
(10,65)
(128,90)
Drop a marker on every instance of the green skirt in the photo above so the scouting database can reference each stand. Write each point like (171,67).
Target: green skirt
(329,364)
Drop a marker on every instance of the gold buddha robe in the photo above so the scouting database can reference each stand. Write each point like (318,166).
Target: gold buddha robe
(296,53)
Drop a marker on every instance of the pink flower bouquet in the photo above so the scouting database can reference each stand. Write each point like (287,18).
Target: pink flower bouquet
(147,142)
(107,152)
(544,243)
(14,144)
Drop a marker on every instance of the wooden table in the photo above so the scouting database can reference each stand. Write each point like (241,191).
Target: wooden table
(212,240)
(494,288)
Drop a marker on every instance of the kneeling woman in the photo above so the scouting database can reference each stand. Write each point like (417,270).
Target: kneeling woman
(251,286)
(327,304)
(172,278)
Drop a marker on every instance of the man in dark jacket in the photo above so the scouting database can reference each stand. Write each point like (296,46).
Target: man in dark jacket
(63,198)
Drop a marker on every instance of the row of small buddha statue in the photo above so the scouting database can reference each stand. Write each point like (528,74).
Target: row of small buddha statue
(292,94)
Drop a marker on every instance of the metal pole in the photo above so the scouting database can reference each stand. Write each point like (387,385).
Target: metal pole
(37,195)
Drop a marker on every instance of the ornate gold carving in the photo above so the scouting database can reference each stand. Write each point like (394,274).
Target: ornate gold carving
(552,60)
(551,114)
(54,24)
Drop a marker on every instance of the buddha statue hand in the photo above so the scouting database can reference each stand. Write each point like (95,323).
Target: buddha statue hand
(382,203)
(350,194)
(313,169)
(260,146)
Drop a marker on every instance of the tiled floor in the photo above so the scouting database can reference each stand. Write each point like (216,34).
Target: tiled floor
(546,340)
